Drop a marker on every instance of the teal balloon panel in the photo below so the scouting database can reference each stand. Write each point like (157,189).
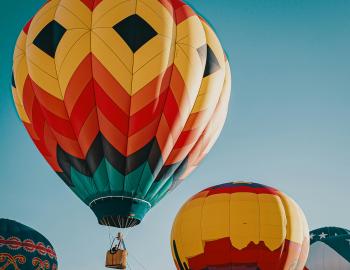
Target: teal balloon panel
(329,250)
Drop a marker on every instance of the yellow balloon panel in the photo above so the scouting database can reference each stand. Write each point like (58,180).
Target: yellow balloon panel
(273,221)
(215,217)
(157,16)
(78,10)
(191,235)
(244,219)
(72,41)
(296,220)
(73,59)
(108,13)
(112,62)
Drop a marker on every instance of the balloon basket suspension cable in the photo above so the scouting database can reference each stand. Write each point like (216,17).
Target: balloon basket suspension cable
(137,262)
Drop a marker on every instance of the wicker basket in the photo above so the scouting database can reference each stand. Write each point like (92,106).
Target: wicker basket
(116,259)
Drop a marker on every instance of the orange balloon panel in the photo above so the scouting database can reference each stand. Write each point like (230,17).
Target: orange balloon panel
(240,226)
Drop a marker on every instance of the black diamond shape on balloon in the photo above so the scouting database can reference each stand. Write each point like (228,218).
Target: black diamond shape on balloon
(212,64)
(49,38)
(202,51)
(135,31)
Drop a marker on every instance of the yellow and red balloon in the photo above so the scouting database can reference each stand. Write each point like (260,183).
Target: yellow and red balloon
(240,226)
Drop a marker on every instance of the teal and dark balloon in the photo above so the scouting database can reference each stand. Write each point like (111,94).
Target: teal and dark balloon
(21,247)
(330,249)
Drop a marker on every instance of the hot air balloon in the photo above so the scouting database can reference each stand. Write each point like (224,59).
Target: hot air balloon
(24,248)
(122,98)
(327,232)
(329,249)
(240,226)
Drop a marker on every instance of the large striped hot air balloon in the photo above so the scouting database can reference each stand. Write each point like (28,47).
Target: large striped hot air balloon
(240,226)
(122,98)
(329,249)
(23,248)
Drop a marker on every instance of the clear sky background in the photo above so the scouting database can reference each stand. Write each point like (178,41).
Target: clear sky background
(288,127)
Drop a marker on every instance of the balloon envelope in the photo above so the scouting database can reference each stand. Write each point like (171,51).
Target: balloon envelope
(122,98)
(24,248)
(329,249)
(240,226)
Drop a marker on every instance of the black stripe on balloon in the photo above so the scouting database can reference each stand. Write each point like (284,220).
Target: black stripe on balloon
(114,157)
(66,161)
(178,260)
(138,158)
(155,159)
(66,179)
(13,81)
(120,162)
(175,170)
(95,154)
(165,173)
(101,148)
(181,169)
(86,167)
(233,184)
(63,163)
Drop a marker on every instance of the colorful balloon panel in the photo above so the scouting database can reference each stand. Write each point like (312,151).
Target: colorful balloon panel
(240,226)
(329,249)
(23,248)
(122,98)
(327,232)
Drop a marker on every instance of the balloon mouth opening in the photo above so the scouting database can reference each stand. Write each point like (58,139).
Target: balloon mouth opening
(119,221)
(119,211)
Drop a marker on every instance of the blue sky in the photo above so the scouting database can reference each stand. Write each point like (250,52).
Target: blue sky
(288,127)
